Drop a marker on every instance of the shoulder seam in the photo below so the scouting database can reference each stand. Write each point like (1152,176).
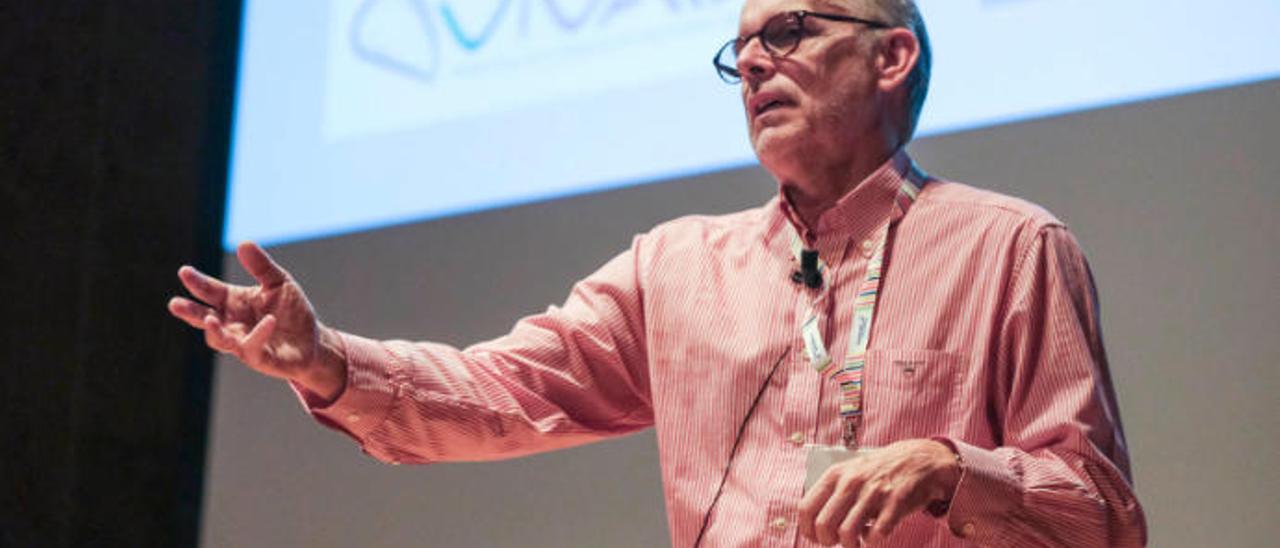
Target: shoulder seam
(1034,213)
(1040,229)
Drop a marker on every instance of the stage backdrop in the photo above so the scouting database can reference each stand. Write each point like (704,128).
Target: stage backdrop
(402,156)
(1174,201)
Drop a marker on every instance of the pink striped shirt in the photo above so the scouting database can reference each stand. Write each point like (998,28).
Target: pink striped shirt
(986,333)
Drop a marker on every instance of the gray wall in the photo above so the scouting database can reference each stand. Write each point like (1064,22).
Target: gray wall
(1173,200)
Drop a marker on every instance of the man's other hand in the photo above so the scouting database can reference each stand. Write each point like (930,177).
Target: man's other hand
(861,500)
(271,326)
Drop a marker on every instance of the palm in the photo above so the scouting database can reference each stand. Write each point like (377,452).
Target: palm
(270,326)
(292,344)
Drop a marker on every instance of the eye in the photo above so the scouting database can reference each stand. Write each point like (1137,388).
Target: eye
(782,33)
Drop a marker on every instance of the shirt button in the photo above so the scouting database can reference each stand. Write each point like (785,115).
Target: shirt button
(797,438)
(353,418)
(968,530)
(778,523)
(867,245)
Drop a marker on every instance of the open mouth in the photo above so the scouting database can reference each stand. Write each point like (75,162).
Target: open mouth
(768,101)
(770,105)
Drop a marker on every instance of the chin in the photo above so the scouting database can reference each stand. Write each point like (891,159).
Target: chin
(774,147)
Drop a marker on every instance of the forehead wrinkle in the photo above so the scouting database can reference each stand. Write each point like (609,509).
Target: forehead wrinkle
(839,5)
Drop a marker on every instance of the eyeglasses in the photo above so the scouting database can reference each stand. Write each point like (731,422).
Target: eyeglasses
(780,36)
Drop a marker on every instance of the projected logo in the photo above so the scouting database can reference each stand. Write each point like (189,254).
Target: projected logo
(400,64)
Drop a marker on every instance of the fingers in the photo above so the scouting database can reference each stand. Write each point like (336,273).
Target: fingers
(854,526)
(190,312)
(862,500)
(813,503)
(260,265)
(253,344)
(828,526)
(217,336)
(203,286)
(894,510)
(250,347)
(825,507)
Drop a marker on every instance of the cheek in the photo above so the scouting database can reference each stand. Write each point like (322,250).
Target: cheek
(844,85)
(828,110)
(845,101)
(830,96)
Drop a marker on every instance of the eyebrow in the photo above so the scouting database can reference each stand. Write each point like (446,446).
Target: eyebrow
(841,6)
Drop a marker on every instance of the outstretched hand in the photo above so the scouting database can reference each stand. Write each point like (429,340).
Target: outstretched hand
(271,327)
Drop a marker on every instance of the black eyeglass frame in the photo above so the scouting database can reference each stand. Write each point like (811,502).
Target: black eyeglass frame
(731,75)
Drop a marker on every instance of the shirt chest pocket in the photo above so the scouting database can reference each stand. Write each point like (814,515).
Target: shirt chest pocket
(910,394)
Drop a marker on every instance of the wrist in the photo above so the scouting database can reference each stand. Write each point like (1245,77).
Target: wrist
(949,472)
(327,374)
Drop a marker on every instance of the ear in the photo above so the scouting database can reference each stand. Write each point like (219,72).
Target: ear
(897,54)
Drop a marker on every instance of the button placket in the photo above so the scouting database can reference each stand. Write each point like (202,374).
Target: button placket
(779,520)
(802,381)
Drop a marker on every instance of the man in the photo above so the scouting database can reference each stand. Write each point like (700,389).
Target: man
(943,337)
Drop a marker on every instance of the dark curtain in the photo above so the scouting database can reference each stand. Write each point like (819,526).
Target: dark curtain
(114,132)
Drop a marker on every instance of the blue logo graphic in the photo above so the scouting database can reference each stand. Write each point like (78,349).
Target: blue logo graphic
(470,40)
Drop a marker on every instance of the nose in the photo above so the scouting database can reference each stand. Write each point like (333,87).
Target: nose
(754,62)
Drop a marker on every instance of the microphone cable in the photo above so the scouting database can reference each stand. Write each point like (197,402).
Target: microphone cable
(733,452)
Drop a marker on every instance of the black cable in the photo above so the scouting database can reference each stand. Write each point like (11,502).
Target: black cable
(733,452)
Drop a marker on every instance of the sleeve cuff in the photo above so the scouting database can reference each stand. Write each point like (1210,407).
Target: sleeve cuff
(988,490)
(374,379)
(939,508)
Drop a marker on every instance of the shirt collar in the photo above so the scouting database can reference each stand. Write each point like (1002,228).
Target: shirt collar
(857,214)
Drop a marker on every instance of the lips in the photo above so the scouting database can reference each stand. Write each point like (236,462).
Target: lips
(768,106)
(766,101)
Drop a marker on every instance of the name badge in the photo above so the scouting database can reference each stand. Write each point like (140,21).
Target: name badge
(821,457)
(861,329)
(814,348)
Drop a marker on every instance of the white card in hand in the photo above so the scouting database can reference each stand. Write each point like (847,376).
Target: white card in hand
(821,457)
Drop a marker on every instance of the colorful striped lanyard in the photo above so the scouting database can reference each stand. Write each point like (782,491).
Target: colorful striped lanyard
(850,375)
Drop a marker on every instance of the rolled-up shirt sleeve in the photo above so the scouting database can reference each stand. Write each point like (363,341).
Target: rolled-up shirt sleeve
(571,375)
(1061,475)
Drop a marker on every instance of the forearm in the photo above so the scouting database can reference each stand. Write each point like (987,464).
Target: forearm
(570,375)
(1067,495)
(423,402)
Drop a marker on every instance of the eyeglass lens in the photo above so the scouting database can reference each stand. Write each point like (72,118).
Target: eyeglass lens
(779,36)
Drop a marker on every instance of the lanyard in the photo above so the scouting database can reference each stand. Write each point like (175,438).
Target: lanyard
(850,375)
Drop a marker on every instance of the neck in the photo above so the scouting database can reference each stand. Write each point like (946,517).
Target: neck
(816,187)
